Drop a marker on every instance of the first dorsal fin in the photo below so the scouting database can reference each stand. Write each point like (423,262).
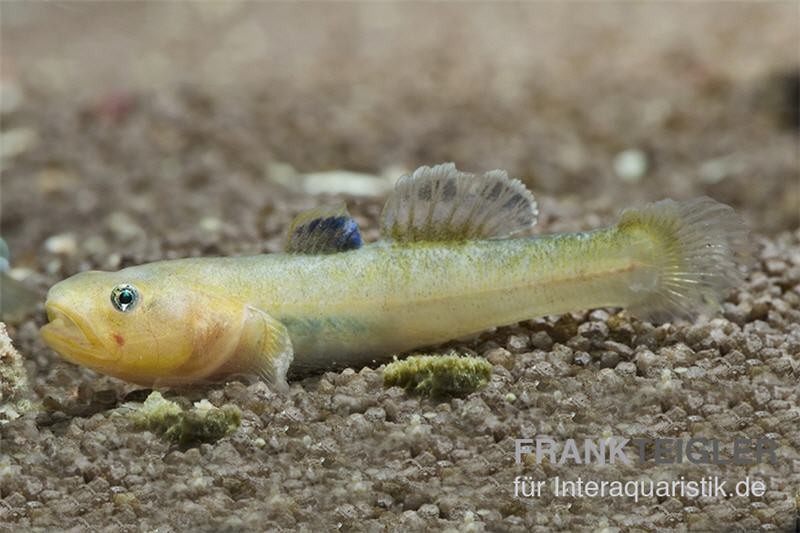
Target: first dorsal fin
(323,230)
(442,204)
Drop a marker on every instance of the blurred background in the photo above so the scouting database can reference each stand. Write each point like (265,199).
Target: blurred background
(136,131)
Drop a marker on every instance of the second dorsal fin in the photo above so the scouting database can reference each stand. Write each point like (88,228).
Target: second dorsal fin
(323,230)
(441,204)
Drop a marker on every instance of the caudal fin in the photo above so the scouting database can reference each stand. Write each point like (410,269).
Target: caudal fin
(697,250)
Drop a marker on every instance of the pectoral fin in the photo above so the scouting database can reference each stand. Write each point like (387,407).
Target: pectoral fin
(264,349)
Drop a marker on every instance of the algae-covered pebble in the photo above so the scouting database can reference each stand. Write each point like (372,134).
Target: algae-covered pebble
(203,423)
(13,380)
(157,414)
(438,375)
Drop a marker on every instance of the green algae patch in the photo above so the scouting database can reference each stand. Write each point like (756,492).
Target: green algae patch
(202,423)
(205,423)
(438,376)
(157,414)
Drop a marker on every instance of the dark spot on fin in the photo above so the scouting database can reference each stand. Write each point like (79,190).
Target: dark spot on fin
(495,191)
(425,191)
(449,190)
(323,230)
(514,201)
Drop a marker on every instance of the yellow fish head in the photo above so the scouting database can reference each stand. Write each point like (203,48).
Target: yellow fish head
(140,326)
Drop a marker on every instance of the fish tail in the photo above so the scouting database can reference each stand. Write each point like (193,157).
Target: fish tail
(688,256)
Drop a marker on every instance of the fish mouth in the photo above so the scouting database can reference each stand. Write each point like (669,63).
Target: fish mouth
(72,336)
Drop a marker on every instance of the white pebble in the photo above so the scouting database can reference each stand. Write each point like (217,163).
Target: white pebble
(62,244)
(630,165)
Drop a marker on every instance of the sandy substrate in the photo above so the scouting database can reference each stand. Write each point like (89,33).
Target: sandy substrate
(195,149)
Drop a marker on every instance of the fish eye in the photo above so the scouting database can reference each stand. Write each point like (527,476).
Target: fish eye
(124,297)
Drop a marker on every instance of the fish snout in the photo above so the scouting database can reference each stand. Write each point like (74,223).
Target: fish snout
(69,330)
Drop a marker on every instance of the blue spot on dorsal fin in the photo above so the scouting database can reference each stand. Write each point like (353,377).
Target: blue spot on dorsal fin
(323,230)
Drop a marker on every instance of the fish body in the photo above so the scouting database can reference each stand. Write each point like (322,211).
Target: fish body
(442,271)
